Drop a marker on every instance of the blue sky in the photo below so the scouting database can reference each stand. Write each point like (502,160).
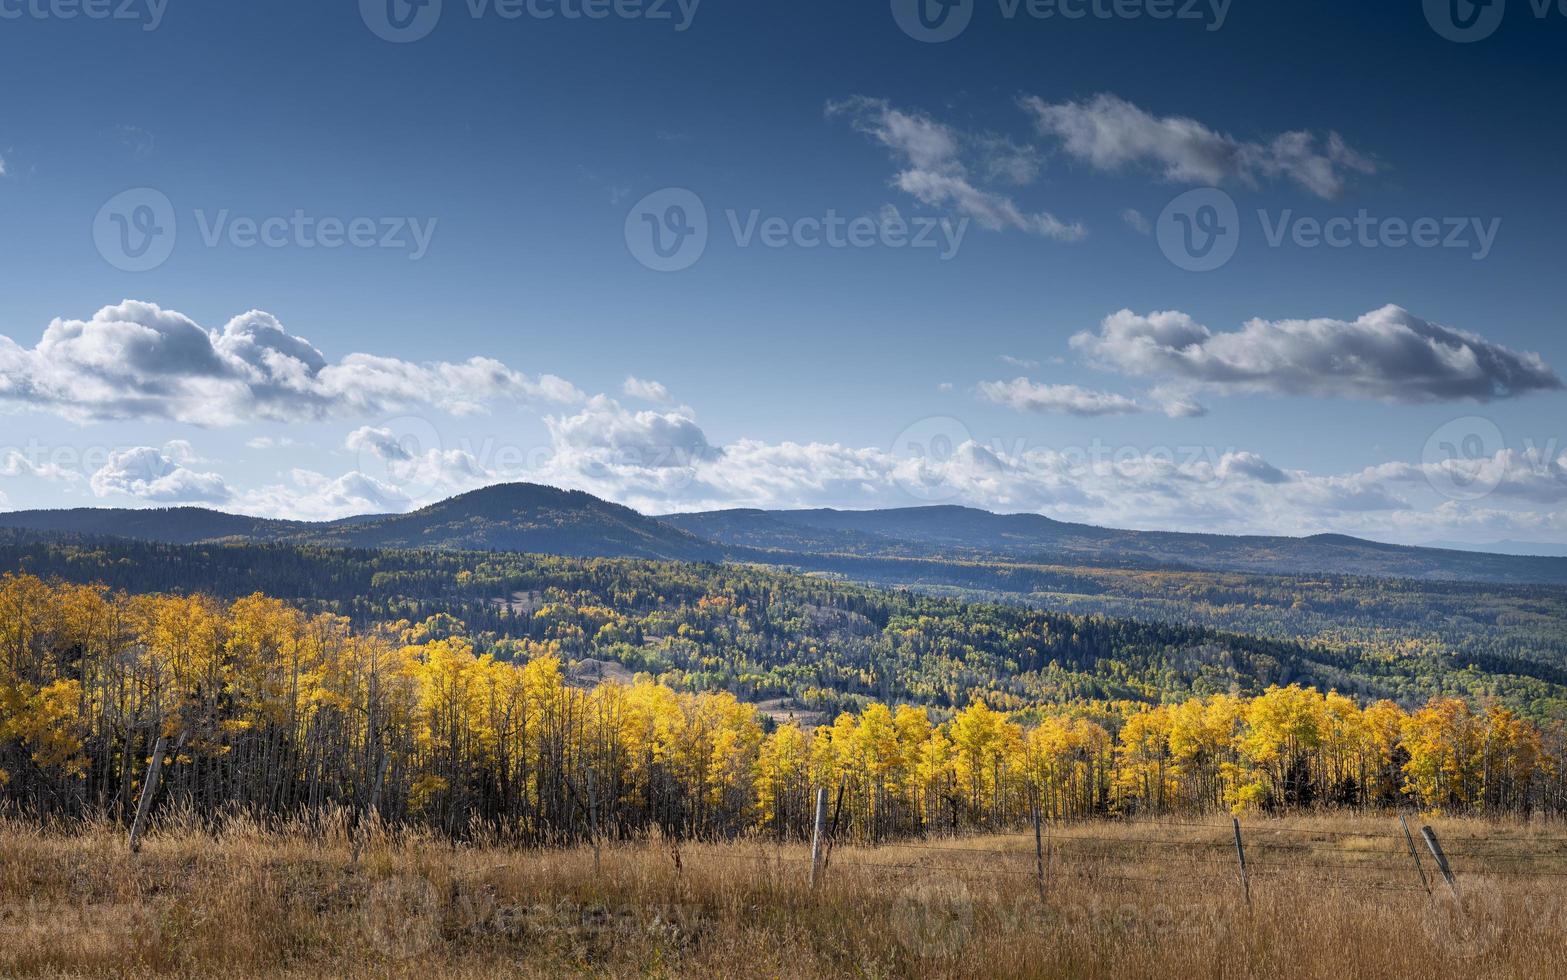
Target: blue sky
(791,376)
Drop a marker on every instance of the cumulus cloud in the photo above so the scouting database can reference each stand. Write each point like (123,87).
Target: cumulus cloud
(941,167)
(158,476)
(405,462)
(140,361)
(1388,355)
(1110,133)
(1024,395)
(607,432)
(648,391)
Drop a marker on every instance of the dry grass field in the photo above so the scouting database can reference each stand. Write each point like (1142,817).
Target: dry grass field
(1330,898)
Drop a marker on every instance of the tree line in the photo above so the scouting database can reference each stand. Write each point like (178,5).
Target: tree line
(261,708)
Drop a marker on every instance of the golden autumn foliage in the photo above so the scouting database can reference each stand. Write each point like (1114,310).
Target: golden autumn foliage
(276,713)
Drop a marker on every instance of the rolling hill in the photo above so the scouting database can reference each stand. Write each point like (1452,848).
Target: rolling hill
(515,517)
(961,533)
(544,520)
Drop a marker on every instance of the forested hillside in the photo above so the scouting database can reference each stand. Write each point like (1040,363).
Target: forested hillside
(545,520)
(820,645)
(966,534)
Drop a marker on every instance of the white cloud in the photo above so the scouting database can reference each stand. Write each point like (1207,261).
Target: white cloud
(410,464)
(648,391)
(1389,354)
(1252,467)
(1018,362)
(1024,395)
(1110,133)
(1007,162)
(1177,403)
(158,476)
(313,496)
(608,433)
(1137,221)
(939,164)
(1533,475)
(14,463)
(139,361)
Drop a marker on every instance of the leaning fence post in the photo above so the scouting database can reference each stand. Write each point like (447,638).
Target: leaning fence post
(1240,851)
(1441,859)
(1414,853)
(1039,847)
(818,829)
(149,789)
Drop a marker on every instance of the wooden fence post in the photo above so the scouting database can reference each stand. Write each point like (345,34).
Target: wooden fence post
(1240,851)
(1039,846)
(149,788)
(1414,853)
(1441,859)
(818,829)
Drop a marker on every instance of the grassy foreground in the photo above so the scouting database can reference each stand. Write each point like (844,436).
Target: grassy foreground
(1330,898)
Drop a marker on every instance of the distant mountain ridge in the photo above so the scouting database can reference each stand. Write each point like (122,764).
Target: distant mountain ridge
(964,533)
(545,520)
(514,517)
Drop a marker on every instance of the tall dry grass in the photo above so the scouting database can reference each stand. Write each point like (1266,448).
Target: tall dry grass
(1331,898)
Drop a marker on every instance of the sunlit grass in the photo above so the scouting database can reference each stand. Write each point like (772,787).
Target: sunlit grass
(1330,897)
